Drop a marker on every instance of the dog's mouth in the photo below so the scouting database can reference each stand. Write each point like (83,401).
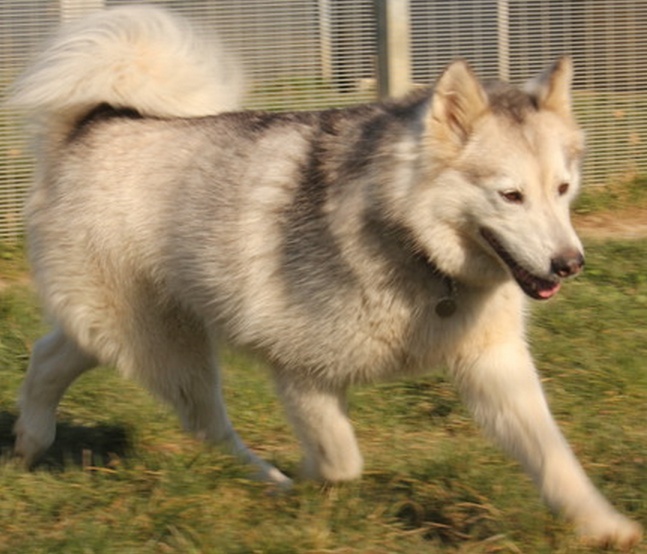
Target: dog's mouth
(535,287)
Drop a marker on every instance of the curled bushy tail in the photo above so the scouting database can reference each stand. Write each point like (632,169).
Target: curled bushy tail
(136,57)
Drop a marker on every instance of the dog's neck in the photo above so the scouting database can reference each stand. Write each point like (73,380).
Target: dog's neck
(404,250)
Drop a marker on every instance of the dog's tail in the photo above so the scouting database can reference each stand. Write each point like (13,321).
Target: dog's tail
(136,57)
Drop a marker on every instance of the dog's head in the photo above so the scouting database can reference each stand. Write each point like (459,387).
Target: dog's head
(502,166)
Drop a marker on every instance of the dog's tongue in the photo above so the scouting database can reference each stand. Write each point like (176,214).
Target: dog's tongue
(535,287)
(547,292)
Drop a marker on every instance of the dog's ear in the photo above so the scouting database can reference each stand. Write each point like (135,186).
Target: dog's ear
(552,89)
(458,101)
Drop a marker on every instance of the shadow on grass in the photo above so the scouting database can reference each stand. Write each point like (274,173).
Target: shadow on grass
(98,446)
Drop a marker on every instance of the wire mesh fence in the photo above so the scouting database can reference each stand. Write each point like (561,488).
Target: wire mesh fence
(310,54)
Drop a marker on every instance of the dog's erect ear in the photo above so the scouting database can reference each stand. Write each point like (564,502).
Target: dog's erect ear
(458,100)
(553,87)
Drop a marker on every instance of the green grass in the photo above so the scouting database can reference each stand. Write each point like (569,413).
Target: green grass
(618,195)
(122,478)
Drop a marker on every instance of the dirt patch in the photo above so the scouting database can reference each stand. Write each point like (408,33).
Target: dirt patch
(630,223)
(18,280)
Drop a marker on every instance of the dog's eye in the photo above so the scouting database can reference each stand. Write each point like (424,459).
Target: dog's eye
(563,188)
(512,196)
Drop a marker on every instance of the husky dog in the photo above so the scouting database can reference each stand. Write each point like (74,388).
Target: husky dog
(343,246)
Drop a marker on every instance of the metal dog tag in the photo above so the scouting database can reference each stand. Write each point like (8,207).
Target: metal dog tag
(446,307)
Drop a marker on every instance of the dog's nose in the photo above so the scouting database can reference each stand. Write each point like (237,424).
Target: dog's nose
(567,263)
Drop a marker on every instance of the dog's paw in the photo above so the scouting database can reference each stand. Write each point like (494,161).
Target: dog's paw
(612,530)
(29,446)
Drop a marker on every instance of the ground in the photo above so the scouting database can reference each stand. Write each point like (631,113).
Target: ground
(630,223)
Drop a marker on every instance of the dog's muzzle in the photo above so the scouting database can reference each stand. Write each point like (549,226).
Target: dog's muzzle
(566,264)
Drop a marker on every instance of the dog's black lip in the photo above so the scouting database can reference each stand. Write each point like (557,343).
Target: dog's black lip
(531,284)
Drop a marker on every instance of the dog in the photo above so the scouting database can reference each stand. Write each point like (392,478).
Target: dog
(343,245)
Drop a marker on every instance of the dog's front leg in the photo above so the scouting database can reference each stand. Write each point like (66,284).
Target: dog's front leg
(502,388)
(320,420)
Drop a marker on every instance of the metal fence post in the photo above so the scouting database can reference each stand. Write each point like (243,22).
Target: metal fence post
(393,47)
(325,40)
(503,39)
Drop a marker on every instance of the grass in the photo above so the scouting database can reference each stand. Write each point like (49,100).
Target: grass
(123,478)
(615,196)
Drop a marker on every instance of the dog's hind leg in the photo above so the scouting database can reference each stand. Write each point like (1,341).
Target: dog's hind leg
(502,388)
(320,420)
(185,373)
(203,412)
(56,361)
